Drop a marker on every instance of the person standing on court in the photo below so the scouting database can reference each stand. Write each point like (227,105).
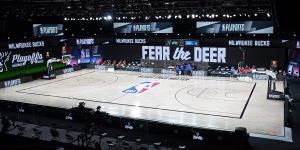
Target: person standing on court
(182,69)
(189,70)
(177,70)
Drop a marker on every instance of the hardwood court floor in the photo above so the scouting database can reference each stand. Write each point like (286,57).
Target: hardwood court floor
(208,102)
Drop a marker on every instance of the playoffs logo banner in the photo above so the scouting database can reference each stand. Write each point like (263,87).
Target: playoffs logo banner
(248,27)
(48,29)
(143,27)
(197,54)
(13,59)
(21,60)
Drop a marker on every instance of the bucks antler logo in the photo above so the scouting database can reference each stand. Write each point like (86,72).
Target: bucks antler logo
(4,57)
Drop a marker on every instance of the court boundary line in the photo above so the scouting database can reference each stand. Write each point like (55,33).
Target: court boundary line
(249,97)
(110,102)
(55,81)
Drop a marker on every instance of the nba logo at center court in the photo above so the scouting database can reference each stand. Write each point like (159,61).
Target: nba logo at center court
(140,88)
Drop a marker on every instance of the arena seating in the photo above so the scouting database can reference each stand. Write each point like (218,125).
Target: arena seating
(239,136)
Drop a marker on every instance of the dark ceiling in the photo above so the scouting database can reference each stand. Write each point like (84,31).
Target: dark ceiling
(129,7)
(284,13)
(287,16)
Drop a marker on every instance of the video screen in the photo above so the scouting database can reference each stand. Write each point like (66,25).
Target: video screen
(96,55)
(294,62)
(191,42)
(82,54)
(182,42)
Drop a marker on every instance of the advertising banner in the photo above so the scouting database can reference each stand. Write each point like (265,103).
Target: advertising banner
(23,45)
(14,82)
(143,27)
(260,57)
(207,42)
(89,41)
(293,63)
(196,54)
(48,29)
(248,27)
(10,60)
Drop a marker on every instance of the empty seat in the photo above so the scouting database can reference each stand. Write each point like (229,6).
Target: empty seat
(110,144)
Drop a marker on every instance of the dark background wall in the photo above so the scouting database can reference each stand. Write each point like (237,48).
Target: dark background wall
(287,16)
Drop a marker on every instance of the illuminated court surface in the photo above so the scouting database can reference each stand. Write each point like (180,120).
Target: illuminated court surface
(208,102)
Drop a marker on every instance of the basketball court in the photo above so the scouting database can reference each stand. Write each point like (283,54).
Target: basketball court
(205,102)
